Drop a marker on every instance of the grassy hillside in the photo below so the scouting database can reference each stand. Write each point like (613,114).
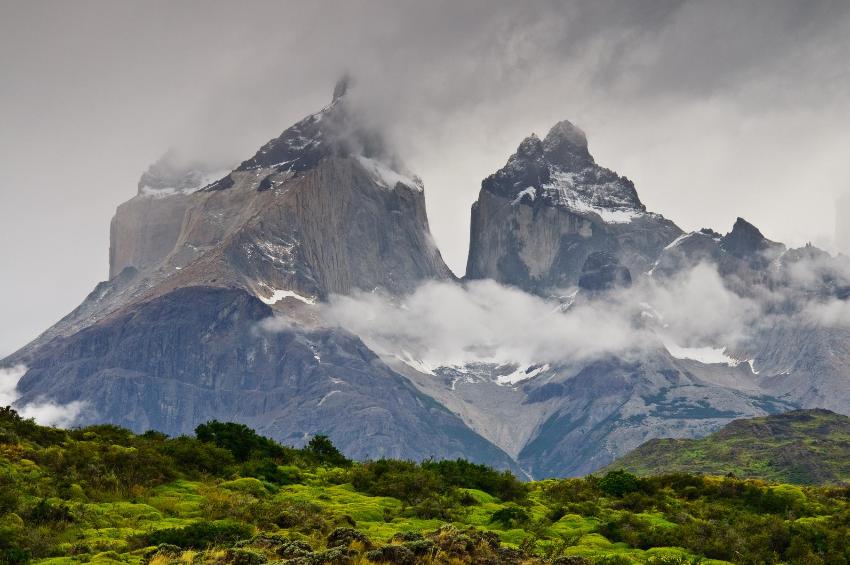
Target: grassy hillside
(227,496)
(805,447)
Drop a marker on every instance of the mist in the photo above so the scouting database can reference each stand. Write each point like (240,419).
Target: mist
(715,110)
(695,314)
(43,411)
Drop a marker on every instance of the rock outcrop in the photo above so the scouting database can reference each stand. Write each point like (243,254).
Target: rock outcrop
(602,271)
(539,217)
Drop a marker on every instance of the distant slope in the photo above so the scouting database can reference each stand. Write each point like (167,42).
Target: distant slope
(802,447)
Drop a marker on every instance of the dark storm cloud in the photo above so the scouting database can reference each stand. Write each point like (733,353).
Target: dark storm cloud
(715,109)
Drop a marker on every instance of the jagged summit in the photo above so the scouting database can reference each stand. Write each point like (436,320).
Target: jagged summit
(334,132)
(566,145)
(559,170)
(539,217)
(745,240)
(744,250)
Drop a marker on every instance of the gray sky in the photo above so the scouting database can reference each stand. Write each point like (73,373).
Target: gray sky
(714,109)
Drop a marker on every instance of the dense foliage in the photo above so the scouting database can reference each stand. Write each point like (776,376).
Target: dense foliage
(229,496)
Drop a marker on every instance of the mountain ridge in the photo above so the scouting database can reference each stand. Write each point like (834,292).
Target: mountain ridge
(801,447)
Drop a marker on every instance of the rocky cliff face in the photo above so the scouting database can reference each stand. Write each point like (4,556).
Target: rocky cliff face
(323,208)
(539,217)
(145,228)
(743,256)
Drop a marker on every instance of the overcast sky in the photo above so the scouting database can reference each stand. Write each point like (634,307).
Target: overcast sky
(714,109)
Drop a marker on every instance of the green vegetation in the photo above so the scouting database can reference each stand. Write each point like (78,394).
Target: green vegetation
(805,447)
(229,496)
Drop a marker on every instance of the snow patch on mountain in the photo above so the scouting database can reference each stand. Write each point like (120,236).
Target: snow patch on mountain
(278,295)
(707,354)
(521,374)
(578,192)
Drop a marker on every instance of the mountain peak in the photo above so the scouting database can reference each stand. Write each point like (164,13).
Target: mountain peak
(742,226)
(566,144)
(745,239)
(333,131)
(530,148)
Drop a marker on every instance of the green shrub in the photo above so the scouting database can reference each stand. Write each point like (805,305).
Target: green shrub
(45,512)
(241,556)
(243,442)
(618,483)
(462,473)
(510,516)
(344,537)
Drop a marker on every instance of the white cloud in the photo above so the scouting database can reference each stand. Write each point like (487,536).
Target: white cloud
(45,412)
(483,321)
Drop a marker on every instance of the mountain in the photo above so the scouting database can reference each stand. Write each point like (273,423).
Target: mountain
(742,256)
(798,344)
(801,447)
(538,218)
(186,330)
(570,419)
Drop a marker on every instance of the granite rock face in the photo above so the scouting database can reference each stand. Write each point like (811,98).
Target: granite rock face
(323,208)
(602,271)
(538,218)
(742,256)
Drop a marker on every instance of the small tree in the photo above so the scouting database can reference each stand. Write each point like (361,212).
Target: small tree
(618,483)
(324,451)
(243,442)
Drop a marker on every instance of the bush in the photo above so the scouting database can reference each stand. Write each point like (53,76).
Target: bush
(240,556)
(243,442)
(196,457)
(618,483)
(403,480)
(344,537)
(510,516)
(462,473)
(396,554)
(45,512)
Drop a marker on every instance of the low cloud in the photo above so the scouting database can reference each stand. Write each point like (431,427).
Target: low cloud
(482,321)
(45,412)
(445,323)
